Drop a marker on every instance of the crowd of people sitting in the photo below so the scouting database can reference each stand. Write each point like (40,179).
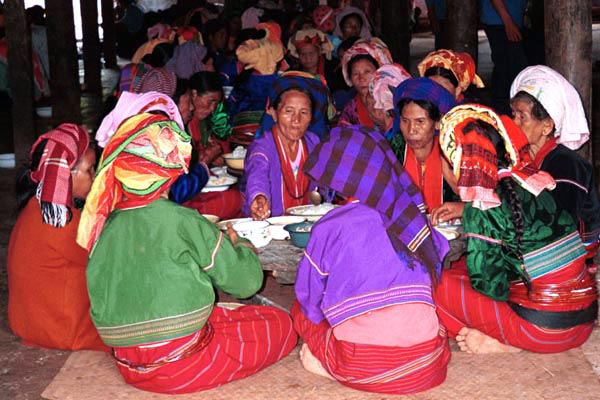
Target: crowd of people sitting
(123,261)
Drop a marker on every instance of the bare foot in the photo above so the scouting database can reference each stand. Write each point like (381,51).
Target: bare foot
(473,341)
(311,363)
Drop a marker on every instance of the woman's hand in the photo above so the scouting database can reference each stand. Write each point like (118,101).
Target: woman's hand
(447,212)
(260,209)
(233,236)
(210,153)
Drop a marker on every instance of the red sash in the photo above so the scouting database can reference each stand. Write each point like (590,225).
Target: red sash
(295,188)
(363,114)
(429,179)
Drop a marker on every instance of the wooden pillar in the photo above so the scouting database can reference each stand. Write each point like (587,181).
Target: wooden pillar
(109,34)
(91,46)
(395,29)
(64,69)
(568,33)
(20,73)
(462,20)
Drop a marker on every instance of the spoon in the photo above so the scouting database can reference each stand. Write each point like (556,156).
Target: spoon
(315,197)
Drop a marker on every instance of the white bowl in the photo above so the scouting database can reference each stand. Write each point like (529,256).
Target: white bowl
(7,160)
(277,224)
(311,212)
(212,218)
(233,162)
(223,224)
(255,231)
(44,112)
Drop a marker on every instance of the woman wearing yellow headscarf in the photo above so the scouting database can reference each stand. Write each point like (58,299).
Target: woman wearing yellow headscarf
(153,265)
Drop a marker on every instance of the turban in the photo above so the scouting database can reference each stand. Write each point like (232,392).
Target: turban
(460,64)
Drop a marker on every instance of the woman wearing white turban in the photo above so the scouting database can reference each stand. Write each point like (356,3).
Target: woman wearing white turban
(549,111)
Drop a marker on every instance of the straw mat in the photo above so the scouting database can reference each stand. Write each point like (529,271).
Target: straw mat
(93,376)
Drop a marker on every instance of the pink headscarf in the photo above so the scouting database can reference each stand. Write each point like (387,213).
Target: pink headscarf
(131,104)
(384,82)
(374,48)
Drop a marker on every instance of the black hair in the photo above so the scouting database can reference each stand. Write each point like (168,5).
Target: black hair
(277,100)
(538,111)
(349,42)
(206,81)
(507,183)
(443,72)
(351,15)
(159,57)
(360,57)
(25,187)
(183,85)
(213,26)
(432,110)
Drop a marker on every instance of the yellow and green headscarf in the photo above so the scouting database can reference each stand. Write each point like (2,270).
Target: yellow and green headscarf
(140,162)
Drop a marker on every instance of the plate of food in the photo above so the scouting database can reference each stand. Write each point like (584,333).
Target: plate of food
(222,225)
(311,212)
(219,183)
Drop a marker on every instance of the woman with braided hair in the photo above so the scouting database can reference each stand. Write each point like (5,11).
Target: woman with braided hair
(524,283)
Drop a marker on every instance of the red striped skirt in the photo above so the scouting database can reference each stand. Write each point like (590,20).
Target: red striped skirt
(245,341)
(381,369)
(459,305)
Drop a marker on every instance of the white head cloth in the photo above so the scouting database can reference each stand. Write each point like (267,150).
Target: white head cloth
(559,98)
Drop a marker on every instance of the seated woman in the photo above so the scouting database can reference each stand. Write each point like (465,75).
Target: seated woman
(358,66)
(153,265)
(419,103)
(210,131)
(312,49)
(453,70)
(48,302)
(351,21)
(524,283)
(549,111)
(364,287)
(273,165)
(323,110)
(380,100)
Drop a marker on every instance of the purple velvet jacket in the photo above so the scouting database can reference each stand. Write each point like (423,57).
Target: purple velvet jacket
(263,171)
(350,268)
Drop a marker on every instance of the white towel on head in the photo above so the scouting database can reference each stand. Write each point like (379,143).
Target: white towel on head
(561,101)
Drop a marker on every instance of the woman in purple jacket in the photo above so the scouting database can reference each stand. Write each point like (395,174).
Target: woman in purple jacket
(365,310)
(273,165)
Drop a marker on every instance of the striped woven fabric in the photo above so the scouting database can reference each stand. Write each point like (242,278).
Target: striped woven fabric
(554,256)
(381,369)
(245,341)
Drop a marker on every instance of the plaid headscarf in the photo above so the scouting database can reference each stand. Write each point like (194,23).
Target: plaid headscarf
(421,89)
(130,104)
(561,101)
(460,64)
(374,48)
(64,147)
(474,160)
(384,82)
(323,107)
(157,80)
(360,163)
(144,157)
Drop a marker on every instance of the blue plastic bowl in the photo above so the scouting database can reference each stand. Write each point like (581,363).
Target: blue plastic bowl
(299,233)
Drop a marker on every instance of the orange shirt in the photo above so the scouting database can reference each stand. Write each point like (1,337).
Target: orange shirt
(48,303)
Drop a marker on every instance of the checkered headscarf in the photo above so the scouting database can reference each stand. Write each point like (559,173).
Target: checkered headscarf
(64,147)
(360,163)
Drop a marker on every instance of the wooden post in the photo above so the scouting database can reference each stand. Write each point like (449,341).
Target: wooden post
(462,21)
(568,33)
(20,70)
(64,68)
(109,34)
(395,29)
(91,46)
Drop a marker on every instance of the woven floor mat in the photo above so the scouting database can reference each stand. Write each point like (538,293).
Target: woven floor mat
(93,376)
